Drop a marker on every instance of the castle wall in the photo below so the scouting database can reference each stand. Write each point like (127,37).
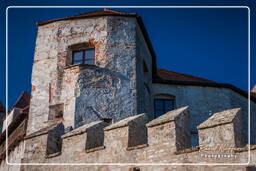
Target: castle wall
(163,137)
(143,168)
(118,87)
(204,101)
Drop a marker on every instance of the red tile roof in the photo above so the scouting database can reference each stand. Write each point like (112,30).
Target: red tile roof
(175,76)
(104,12)
(23,101)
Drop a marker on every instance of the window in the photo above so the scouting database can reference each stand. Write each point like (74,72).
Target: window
(85,56)
(56,112)
(163,105)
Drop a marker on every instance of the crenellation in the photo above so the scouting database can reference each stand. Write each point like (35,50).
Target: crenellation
(135,138)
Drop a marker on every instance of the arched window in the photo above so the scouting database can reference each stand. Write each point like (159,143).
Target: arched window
(163,103)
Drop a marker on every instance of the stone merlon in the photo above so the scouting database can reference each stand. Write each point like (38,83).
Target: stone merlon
(83,129)
(168,117)
(220,118)
(126,122)
(45,130)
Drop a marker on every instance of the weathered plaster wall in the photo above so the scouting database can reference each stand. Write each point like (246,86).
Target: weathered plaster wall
(204,101)
(110,89)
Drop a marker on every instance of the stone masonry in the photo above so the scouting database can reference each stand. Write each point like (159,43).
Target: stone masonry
(110,89)
(162,141)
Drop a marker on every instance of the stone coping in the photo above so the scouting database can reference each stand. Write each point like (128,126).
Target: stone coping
(42,131)
(188,150)
(137,147)
(246,148)
(53,155)
(197,148)
(125,122)
(220,118)
(94,149)
(168,117)
(81,129)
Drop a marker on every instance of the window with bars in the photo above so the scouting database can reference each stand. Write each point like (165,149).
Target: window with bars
(85,56)
(162,106)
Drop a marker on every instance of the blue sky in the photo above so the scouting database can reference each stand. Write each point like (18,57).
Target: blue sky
(209,43)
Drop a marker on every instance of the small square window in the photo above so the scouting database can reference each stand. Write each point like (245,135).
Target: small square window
(162,106)
(85,56)
(55,112)
(77,57)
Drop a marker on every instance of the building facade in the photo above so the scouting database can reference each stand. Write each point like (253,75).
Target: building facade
(98,97)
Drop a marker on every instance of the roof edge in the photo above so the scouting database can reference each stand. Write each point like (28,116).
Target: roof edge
(183,74)
(90,15)
(205,84)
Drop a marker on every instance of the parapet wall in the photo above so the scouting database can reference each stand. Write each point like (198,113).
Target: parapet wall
(165,139)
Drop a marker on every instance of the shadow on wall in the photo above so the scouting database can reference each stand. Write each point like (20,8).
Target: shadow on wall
(101,95)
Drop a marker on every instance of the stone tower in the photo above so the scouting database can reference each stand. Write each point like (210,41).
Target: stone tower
(117,82)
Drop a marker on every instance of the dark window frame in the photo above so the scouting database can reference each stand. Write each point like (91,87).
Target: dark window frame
(164,107)
(84,58)
(56,112)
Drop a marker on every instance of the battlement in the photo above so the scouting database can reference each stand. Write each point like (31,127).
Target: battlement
(135,138)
